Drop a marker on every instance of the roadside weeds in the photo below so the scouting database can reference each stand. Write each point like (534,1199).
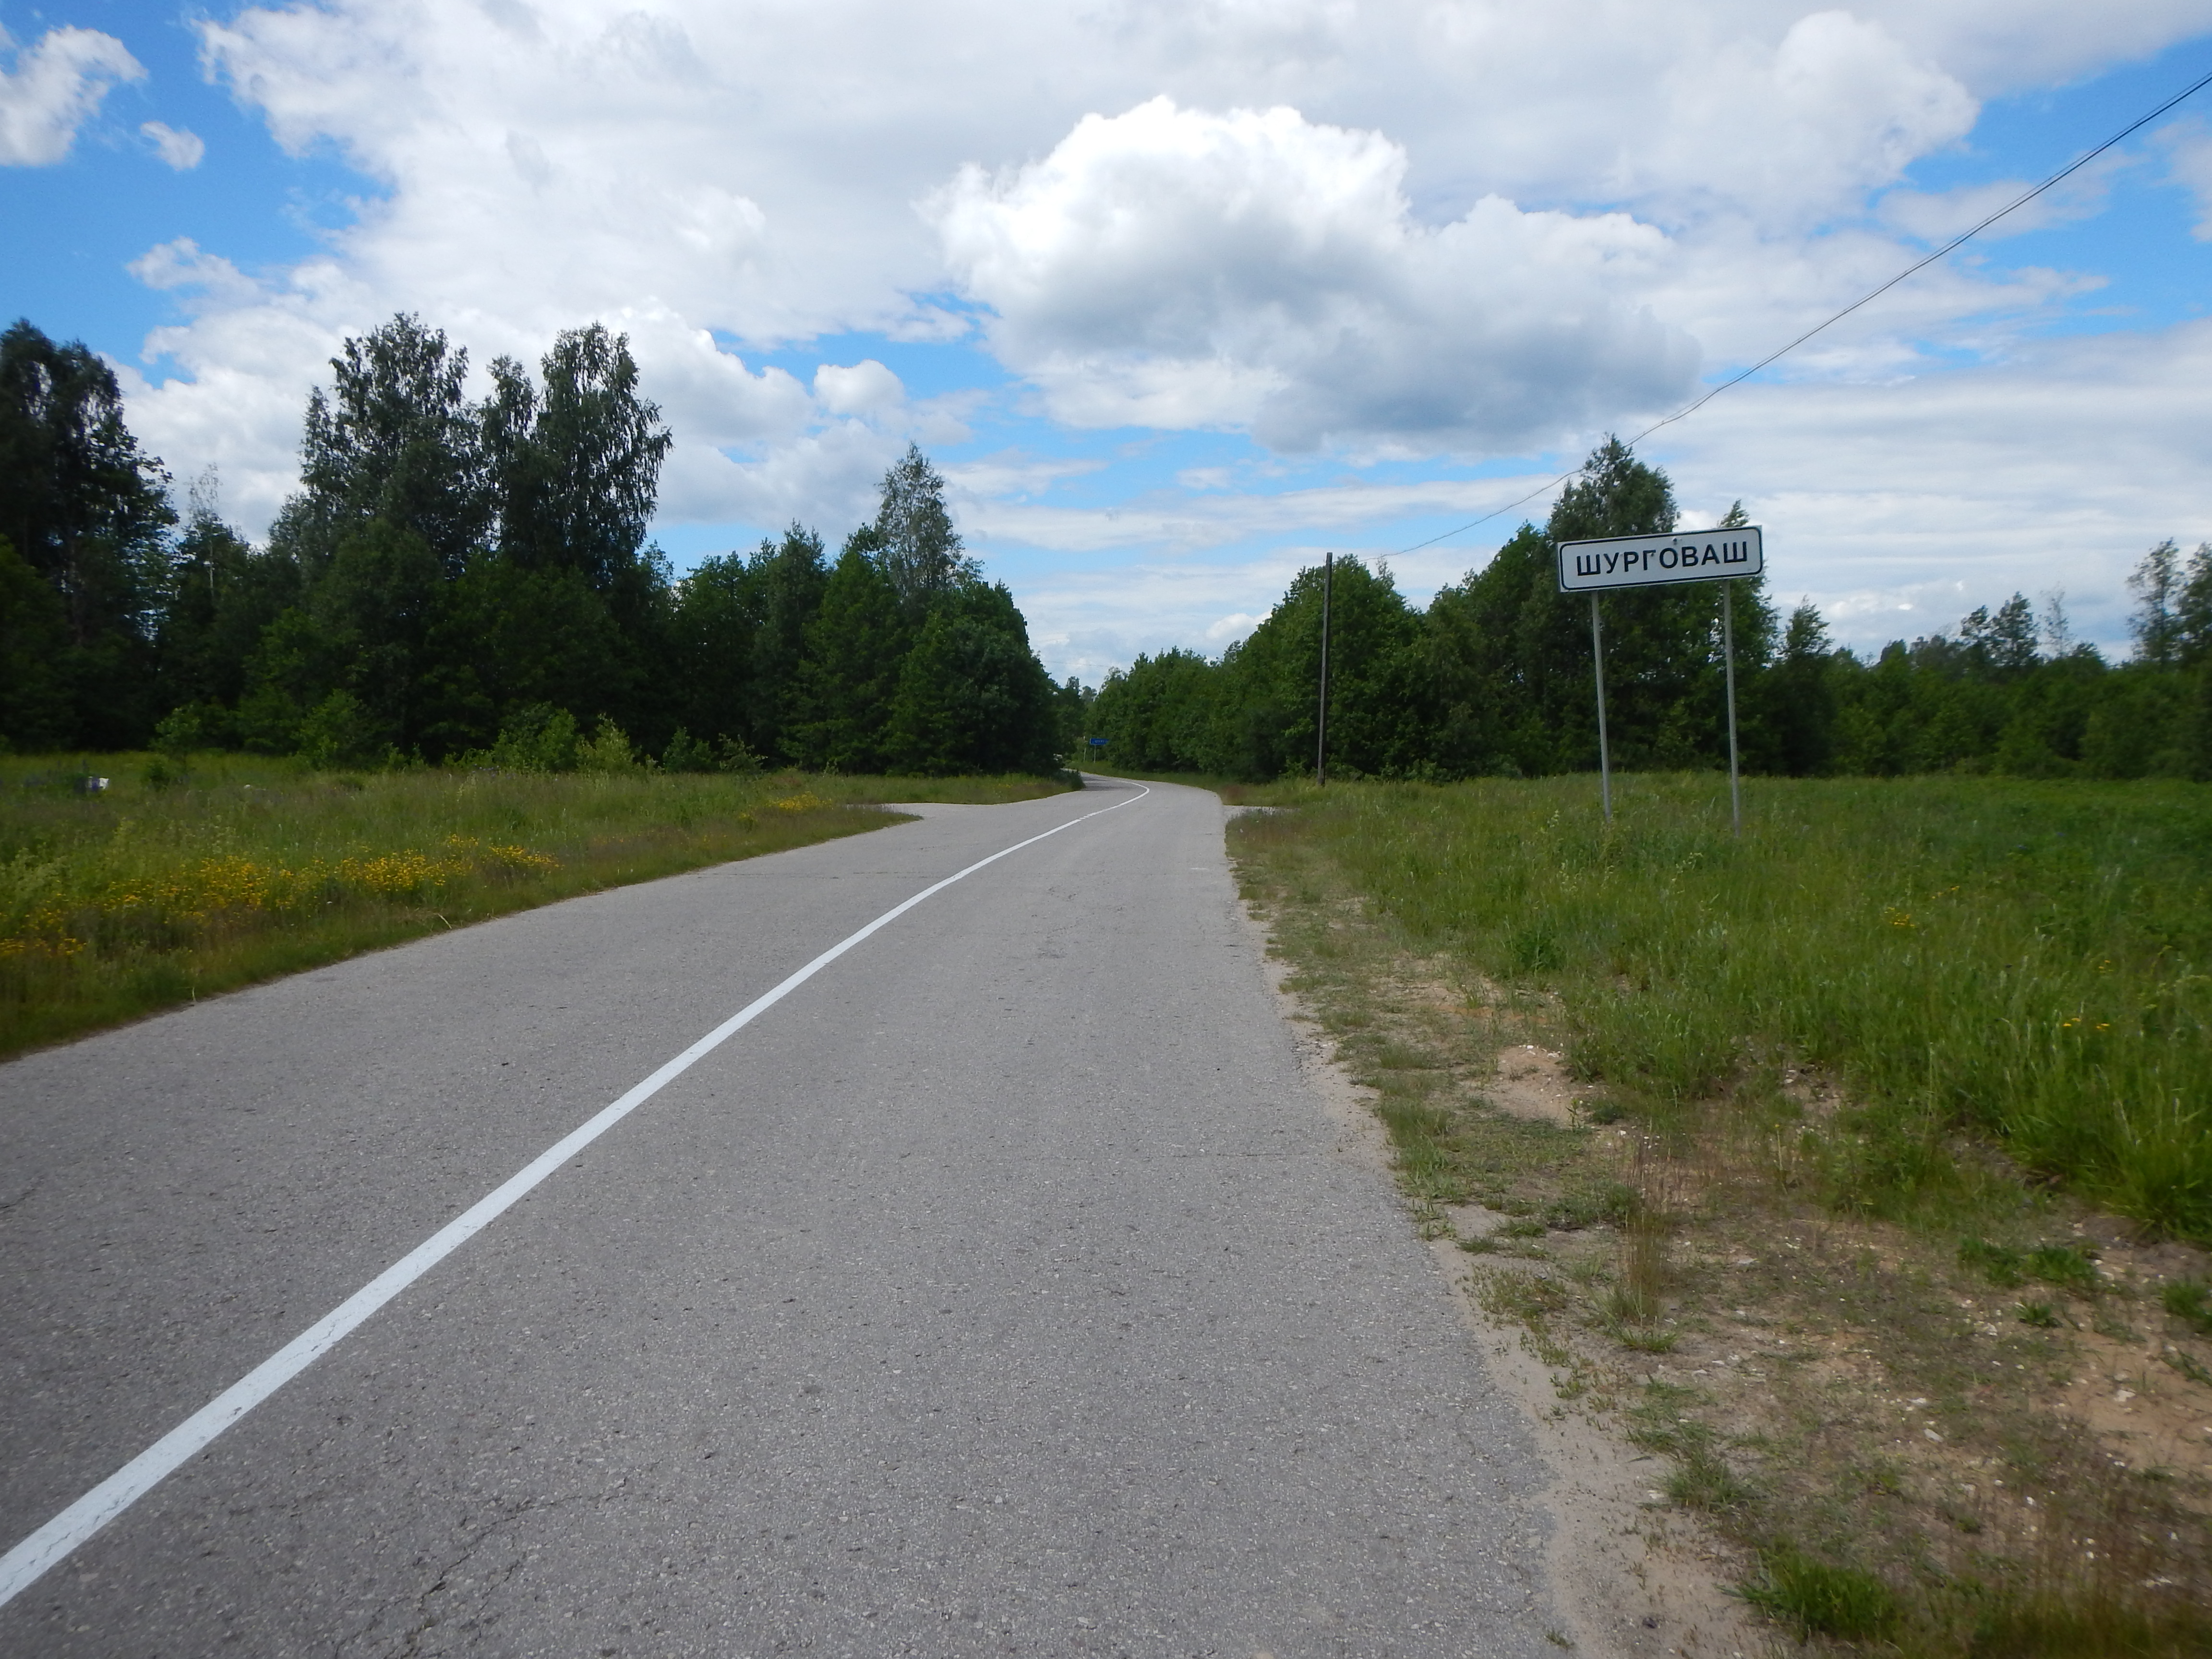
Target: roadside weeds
(168,883)
(1775,1422)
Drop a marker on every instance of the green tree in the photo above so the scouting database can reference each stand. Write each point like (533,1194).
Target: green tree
(717,611)
(457,563)
(2000,645)
(1613,495)
(1072,701)
(1508,655)
(574,470)
(219,593)
(920,550)
(2140,725)
(35,712)
(1666,698)
(789,578)
(288,673)
(856,645)
(374,608)
(2156,582)
(1159,713)
(1508,662)
(87,512)
(394,440)
(971,695)
(2192,620)
(505,638)
(394,508)
(1791,710)
(1271,681)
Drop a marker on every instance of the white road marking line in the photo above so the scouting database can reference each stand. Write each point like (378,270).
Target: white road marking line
(52,1543)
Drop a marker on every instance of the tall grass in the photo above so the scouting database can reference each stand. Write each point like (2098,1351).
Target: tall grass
(173,883)
(2031,960)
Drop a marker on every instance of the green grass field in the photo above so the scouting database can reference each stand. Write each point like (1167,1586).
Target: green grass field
(175,883)
(2032,962)
(1775,1249)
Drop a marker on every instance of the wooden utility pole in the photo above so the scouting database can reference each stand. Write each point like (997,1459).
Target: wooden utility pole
(1320,723)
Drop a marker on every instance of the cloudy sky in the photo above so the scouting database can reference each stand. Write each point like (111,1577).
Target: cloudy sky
(1181,293)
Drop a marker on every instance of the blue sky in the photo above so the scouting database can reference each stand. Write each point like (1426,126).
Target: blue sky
(1179,296)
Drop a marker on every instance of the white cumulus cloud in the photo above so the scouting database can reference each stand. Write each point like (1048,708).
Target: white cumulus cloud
(1365,228)
(180,264)
(54,89)
(1227,630)
(1178,268)
(2188,149)
(866,388)
(1794,131)
(179,148)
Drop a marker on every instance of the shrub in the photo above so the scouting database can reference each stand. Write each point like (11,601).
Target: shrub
(607,750)
(537,738)
(1815,1597)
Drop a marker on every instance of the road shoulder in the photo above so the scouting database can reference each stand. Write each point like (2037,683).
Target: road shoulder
(1634,1580)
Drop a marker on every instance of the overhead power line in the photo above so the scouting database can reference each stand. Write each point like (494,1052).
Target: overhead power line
(1951,247)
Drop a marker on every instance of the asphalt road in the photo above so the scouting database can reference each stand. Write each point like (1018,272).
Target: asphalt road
(1003,1290)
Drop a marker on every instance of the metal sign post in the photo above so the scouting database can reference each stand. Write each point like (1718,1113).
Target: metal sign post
(1700,555)
(1728,656)
(1320,720)
(1604,755)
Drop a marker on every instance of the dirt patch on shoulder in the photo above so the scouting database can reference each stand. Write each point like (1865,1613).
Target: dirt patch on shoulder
(1533,1083)
(1630,1578)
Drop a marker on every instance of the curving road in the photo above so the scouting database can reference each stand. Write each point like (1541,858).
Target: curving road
(1000,1289)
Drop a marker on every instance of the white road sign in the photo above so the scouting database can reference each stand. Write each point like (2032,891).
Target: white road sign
(1701,555)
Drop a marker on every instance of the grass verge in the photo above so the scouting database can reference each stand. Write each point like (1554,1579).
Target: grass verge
(174,883)
(1858,1302)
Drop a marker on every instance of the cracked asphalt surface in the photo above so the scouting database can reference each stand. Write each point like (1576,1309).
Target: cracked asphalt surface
(1005,1289)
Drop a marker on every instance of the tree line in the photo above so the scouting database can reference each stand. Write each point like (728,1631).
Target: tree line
(460,579)
(1494,678)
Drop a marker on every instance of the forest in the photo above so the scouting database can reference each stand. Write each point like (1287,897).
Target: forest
(1494,678)
(460,580)
(471,581)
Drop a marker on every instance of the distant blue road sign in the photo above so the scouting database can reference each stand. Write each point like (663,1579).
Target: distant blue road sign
(1097,743)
